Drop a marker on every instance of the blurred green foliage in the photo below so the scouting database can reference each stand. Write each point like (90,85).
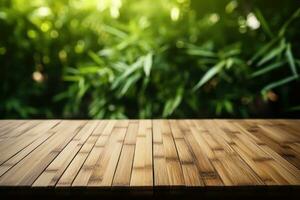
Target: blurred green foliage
(149,59)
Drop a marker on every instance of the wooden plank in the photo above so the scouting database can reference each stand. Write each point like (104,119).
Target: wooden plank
(142,172)
(247,151)
(28,169)
(124,169)
(17,129)
(279,134)
(21,130)
(8,125)
(189,168)
(201,153)
(149,153)
(77,146)
(4,122)
(229,165)
(21,154)
(269,170)
(279,165)
(292,126)
(295,172)
(122,123)
(161,177)
(90,164)
(173,165)
(10,148)
(106,165)
(284,150)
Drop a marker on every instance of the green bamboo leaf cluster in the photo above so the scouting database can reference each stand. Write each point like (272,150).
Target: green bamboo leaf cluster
(140,59)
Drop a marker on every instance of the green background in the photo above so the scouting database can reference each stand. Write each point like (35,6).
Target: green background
(149,59)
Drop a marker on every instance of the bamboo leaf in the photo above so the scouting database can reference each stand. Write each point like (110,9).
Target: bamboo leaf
(131,69)
(129,82)
(114,31)
(201,52)
(96,58)
(83,87)
(263,50)
(89,69)
(288,22)
(275,52)
(279,83)
(228,106)
(291,60)
(209,74)
(72,78)
(264,23)
(71,70)
(267,69)
(229,63)
(230,52)
(172,104)
(61,96)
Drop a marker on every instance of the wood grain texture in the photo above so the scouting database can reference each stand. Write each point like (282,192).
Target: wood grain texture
(142,168)
(149,153)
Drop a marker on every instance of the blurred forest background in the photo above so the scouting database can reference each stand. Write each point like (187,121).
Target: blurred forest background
(149,58)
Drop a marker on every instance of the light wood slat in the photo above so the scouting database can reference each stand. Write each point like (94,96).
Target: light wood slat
(89,165)
(122,123)
(291,128)
(249,152)
(77,146)
(200,149)
(284,150)
(76,164)
(106,165)
(189,168)
(124,169)
(278,133)
(72,170)
(273,173)
(21,154)
(172,161)
(142,172)
(9,125)
(231,168)
(20,130)
(161,177)
(16,130)
(292,125)
(284,163)
(284,168)
(21,142)
(4,122)
(28,169)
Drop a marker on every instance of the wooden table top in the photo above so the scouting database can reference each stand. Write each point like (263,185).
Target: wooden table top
(149,153)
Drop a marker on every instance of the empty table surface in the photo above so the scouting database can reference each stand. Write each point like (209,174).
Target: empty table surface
(149,153)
